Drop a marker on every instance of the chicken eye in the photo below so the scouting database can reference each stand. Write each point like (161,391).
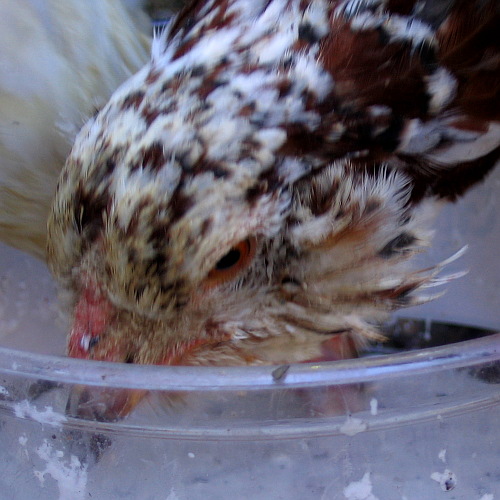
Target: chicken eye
(229,260)
(232,263)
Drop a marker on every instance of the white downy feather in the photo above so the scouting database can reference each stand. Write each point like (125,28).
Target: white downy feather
(59,61)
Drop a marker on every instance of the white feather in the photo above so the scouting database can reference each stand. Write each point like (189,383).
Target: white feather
(58,62)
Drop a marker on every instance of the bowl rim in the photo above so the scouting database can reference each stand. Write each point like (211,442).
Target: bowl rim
(61,369)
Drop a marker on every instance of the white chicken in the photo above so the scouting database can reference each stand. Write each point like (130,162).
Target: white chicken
(59,62)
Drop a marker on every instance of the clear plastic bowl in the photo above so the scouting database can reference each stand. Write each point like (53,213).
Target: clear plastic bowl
(408,425)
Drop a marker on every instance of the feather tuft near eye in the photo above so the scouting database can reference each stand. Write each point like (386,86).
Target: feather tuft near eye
(232,263)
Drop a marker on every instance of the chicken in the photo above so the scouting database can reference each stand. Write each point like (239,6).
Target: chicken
(59,62)
(256,193)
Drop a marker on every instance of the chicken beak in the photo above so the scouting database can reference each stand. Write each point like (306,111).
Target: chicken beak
(102,405)
(91,338)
